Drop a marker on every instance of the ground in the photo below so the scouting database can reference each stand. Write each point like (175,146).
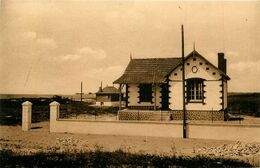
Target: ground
(40,139)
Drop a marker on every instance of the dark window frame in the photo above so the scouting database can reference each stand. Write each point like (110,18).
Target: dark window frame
(195,90)
(145,92)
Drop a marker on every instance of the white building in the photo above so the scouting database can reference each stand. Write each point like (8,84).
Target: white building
(156,84)
(108,96)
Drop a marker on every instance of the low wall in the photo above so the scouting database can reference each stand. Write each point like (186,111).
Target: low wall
(217,131)
(198,115)
(135,114)
(131,114)
(246,133)
(117,128)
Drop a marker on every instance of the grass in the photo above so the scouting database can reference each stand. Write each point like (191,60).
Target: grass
(117,158)
(244,103)
(11,109)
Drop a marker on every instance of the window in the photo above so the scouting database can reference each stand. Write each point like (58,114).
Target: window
(115,97)
(145,91)
(195,91)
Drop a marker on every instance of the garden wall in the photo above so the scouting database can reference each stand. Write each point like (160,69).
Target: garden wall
(217,131)
(158,129)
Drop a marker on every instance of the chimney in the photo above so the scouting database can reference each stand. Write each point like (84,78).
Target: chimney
(222,62)
(100,88)
(225,66)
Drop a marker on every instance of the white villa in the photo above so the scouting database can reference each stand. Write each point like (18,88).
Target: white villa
(153,88)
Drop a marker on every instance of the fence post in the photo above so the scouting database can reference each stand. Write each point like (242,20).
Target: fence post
(26,116)
(54,114)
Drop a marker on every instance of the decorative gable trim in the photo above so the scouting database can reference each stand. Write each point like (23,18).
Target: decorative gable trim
(195,53)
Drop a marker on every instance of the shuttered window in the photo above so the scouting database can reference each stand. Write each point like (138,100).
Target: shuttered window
(145,92)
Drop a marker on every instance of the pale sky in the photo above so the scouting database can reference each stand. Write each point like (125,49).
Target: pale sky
(49,47)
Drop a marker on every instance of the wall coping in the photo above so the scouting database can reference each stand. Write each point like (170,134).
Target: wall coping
(26,103)
(54,103)
(166,111)
(162,122)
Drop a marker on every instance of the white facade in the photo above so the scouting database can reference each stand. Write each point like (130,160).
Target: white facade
(133,99)
(112,104)
(213,86)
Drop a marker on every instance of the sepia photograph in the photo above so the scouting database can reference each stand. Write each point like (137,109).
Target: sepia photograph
(129,83)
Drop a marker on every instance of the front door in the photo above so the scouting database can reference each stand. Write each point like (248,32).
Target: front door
(165,96)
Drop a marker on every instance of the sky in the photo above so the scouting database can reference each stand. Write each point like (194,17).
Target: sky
(49,47)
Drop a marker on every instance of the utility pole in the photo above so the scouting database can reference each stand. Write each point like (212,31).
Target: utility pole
(183,84)
(81,92)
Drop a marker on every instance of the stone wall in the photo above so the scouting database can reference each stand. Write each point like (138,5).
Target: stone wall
(135,115)
(198,115)
(170,115)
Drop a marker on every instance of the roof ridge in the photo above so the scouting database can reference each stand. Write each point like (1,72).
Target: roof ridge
(156,58)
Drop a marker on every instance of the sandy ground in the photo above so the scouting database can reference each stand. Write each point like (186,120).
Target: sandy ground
(40,139)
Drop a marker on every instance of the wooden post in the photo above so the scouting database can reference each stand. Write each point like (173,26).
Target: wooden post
(126,95)
(120,96)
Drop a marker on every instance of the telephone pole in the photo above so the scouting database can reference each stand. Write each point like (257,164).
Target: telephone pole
(81,92)
(183,84)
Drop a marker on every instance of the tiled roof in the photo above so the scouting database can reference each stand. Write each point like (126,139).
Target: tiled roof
(108,89)
(148,70)
(152,70)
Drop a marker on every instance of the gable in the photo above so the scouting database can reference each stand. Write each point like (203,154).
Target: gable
(196,66)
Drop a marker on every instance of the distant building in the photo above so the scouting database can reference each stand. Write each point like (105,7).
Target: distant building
(108,96)
(155,84)
(90,97)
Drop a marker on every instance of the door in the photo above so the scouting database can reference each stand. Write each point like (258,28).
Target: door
(165,96)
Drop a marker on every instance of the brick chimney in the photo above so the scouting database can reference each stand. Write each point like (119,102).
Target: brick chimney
(222,62)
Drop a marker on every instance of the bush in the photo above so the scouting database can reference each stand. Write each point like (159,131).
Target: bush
(244,103)
(111,159)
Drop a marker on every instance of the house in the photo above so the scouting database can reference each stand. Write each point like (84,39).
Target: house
(89,97)
(108,96)
(153,88)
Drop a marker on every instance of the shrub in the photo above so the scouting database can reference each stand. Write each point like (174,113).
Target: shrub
(111,159)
